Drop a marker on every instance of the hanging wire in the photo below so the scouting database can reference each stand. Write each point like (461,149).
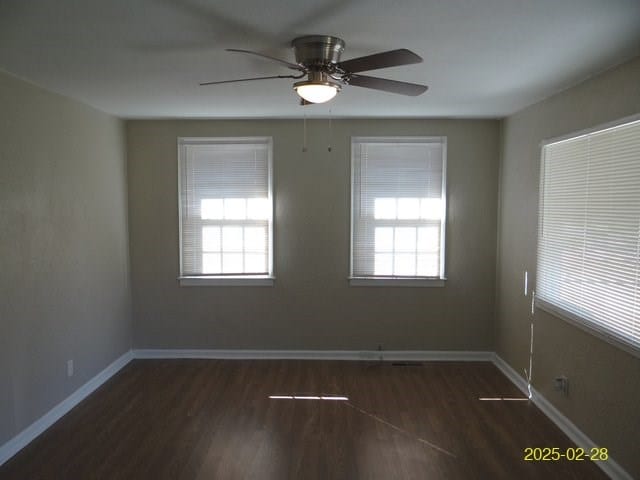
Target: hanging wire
(304,133)
(528,374)
(330,132)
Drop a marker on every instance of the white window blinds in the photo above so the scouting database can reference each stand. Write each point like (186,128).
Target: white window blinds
(225,206)
(589,231)
(398,207)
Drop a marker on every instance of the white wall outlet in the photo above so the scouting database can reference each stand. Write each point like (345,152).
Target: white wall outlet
(69,368)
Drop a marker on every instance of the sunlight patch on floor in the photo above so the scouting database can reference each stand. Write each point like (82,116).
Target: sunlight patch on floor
(505,399)
(309,397)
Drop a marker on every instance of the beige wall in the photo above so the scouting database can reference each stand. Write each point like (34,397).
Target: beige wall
(64,288)
(604,380)
(65,282)
(311,305)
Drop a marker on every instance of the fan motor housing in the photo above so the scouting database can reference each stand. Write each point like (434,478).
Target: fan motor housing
(317,50)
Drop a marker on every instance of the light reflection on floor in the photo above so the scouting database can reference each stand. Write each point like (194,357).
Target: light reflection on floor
(309,397)
(505,399)
(363,412)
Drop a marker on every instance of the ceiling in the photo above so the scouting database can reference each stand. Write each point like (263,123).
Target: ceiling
(145,58)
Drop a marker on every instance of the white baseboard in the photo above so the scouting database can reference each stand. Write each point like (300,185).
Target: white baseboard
(389,355)
(13,446)
(510,373)
(577,436)
(21,440)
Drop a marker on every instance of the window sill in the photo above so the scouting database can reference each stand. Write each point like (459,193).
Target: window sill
(227,281)
(396,282)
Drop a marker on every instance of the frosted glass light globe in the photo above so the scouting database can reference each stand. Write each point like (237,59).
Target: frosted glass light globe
(316,93)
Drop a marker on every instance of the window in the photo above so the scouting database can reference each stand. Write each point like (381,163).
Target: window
(225,211)
(589,232)
(397,210)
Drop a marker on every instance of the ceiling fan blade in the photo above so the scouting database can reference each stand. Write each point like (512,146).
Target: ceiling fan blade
(249,79)
(392,58)
(392,86)
(293,66)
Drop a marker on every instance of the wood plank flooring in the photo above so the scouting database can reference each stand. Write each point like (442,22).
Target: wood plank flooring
(213,419)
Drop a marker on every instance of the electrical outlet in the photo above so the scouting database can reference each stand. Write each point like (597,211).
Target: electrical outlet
(561,384)
(69,368)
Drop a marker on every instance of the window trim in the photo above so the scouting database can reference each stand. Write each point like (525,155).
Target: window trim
(400,281)
(550,308)
(587,131)
(396,282)
(226,279)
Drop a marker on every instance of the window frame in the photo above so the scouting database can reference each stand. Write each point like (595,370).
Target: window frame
(222,279)
(588,326)
(399,281)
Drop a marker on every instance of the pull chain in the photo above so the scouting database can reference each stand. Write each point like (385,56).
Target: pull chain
(330,132)
(304,133)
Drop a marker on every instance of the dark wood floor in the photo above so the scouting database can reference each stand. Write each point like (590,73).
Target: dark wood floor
(212,419)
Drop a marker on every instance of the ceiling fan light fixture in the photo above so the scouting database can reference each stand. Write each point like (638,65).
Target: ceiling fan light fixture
(319,88)
(316,92)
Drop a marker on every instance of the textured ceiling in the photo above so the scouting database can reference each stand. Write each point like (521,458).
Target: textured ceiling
(145,58)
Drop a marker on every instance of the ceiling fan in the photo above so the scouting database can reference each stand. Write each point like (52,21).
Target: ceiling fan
(318,58)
